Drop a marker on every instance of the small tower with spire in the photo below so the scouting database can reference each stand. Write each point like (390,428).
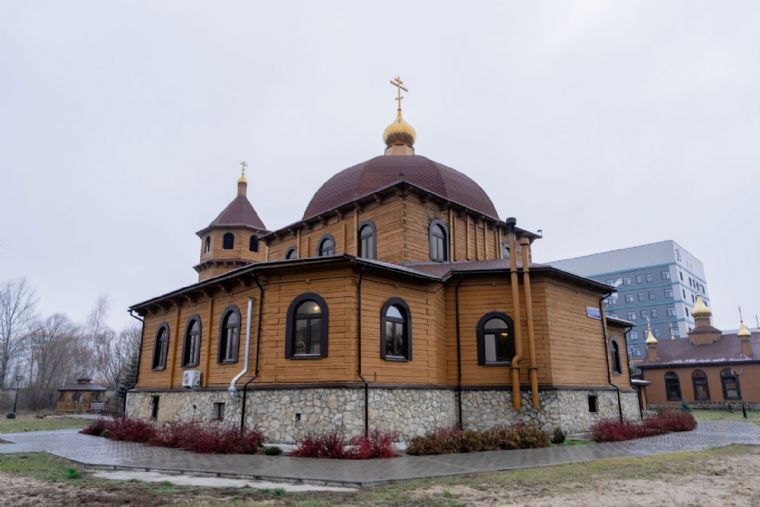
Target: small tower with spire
(703,333)
(651,343)
(745,336)
(399,136)
(232,239)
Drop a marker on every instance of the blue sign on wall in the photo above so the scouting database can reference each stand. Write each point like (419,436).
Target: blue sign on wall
(593,313)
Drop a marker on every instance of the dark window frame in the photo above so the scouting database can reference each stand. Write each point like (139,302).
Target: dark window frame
(407,323)
(290,327)
(154,406)
(253,243)
(160,355)
(218,411)
(371,225)
(292,250)
(207,244)
(222,345)
(228,241)
(671,386)
(481,344)
(703,380)
(726,374)
(187,362)
(433,225)
(617,368)
(593,404)
(321,243)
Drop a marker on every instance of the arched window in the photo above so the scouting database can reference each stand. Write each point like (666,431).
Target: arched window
(368,240)
(396,330)
(228,241)
(191,349)
(615,350)
(292,253)
(229,335)
(207,245)
(730,382)
(672,386)
(496,343)
(438,241)
(253,244)
(326,246)
(701,389)
(306,328)
(161,348)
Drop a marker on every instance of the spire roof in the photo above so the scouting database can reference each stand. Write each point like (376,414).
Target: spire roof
(239,213)
(700,309)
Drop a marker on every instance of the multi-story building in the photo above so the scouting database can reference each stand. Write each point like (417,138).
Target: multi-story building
(656,283)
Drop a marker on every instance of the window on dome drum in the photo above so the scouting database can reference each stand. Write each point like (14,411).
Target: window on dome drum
(615,350)
(292,253)
(368,240)
(306,328)
(730,382)
(191,349)
(438,242)
(229,335)
(496,345)
(207,245)
(228,241)
(326,246)
(396,331)
(701,389)
(161,347)
(253,244)
(672,386)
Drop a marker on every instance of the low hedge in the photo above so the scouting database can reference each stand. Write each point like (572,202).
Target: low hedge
(335,445)
(454,440)
(612,430)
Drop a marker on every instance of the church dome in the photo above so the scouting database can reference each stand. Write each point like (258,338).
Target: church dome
(386,170)
(399,132)
(700,309)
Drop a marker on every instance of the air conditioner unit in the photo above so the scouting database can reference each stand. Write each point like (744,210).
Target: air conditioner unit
(191,378)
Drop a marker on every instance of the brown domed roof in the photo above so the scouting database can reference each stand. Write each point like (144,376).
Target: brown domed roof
(238,213)
(386,170)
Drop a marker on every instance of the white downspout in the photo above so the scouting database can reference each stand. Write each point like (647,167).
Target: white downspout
(232,389)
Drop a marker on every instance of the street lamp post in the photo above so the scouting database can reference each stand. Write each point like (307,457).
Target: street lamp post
(18,383)
(738,374)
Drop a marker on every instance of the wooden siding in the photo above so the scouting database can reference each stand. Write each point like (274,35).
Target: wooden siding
(749,384)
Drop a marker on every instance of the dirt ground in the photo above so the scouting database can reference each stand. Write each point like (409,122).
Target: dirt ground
(726,476)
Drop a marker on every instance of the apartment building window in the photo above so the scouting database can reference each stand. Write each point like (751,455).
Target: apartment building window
(643,314)
(631,315)
(649,278)
(634,335)
(642,297)
(657,333)
(680,273)
(687,311)
(671,312)
(626,281)
(669,293)
(629,298)
(654,313)
(651,295)
(665,275)
(693,299)
(691,283)
(639,279)
(610,282)
(683,291)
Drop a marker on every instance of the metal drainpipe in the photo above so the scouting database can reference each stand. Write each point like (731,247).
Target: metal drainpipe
(607,354)
(515,284)
(459,354)
(233,383)
(139,358)
(359,349)
(628,366)
(258,349)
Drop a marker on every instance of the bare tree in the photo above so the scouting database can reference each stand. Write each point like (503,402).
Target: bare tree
(110,352)
(17,316)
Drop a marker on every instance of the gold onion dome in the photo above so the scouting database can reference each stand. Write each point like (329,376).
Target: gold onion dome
(743,331)
(651,340)
(700,309)
(399,132)
(242,179)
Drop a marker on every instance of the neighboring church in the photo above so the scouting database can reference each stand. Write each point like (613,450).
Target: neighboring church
(400,302)
(711,370)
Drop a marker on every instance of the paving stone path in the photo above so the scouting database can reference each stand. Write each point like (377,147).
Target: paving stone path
(99,453)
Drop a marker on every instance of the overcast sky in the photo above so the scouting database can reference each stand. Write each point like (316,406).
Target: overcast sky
(606,124)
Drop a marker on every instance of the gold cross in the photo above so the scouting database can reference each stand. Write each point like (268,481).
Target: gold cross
(741,319)
(400,86)
(649,323)
(243,167)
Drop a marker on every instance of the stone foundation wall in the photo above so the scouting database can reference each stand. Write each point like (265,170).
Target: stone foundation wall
(285,415)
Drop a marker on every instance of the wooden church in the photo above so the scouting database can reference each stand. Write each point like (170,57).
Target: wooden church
(400,301)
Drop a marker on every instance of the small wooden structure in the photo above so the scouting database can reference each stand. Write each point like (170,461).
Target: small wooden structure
(84,396)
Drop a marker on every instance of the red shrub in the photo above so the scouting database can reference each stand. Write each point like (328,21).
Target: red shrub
(454,440)
(375,445)
(96,428)
(440,441)
(130,430)
(612,430)
(193,436)
(329,445)
(672,420)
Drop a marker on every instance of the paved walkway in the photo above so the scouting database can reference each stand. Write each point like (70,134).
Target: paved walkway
(98,452)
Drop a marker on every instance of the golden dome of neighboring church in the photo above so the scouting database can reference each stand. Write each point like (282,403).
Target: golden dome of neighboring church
(700,309)
(399,132)
(651,340)
(743,331)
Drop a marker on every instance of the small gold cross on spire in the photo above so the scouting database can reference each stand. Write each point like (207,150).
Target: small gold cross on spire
(399,86)
(243,167)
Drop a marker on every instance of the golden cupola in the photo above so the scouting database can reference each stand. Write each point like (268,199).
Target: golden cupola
(700,309)
(399,136)
(651,340)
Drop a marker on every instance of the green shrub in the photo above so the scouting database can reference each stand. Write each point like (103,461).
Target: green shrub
(558,437)
(11,415)
(272,451)
(454,440)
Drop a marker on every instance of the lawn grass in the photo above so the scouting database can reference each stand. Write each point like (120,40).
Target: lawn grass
(40,465)
(725,415)
(28,422)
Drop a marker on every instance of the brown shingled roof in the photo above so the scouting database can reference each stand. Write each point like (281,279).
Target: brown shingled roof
(682,352)
(386,170)
(238,213)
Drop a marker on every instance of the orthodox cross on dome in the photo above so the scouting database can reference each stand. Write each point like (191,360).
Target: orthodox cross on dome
(399,86)
(243,167)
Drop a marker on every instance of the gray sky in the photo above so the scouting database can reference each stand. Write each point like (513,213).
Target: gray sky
(606,124)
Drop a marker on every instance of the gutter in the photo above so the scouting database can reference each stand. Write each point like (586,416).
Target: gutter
(607,355)
(139,358)
(459,355)
(359,349)
(258,352)
(233,389)
(515,284)
(630,379)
